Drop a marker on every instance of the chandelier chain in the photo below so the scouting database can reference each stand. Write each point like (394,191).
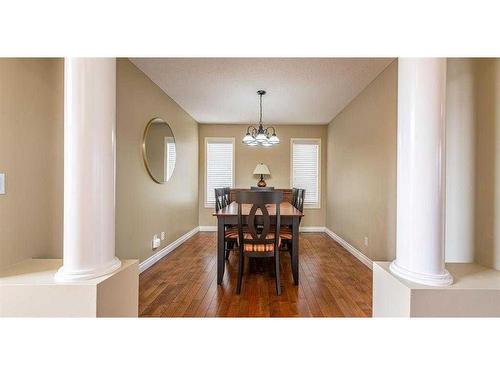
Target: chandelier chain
(260,121)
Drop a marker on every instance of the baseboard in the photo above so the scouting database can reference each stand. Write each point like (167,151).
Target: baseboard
(312,229)
(301,229)
(144,265)
(346,245)
(212,228)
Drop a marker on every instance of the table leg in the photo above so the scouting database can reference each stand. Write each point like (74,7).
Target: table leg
(295,250)
(220,250)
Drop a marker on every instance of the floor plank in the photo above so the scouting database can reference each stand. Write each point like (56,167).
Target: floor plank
(333,283)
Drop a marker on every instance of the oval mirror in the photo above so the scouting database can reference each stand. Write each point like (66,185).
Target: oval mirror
(158,150)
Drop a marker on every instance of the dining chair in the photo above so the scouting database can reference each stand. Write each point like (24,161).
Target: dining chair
(219,199)
(286,232)
(227,195)
(294,196)
(230,231)
(259,243)
(299,202)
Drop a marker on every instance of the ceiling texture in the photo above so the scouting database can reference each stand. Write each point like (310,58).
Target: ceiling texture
(299,90)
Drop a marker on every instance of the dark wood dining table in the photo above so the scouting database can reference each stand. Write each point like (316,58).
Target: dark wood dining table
(229,216)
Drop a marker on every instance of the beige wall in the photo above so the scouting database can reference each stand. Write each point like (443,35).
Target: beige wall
(361,164)
(31,155)
(460,149)
(143,207)
(487,162)
(277,159)
(473,161)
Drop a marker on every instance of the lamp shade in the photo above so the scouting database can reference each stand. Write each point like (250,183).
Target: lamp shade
(274,140)
(248,139)
(261,137)
(261,169)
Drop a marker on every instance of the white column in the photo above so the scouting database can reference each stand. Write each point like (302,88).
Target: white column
(420,172)
(89,168)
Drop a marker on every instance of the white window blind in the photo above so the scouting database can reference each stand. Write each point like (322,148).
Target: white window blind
(170,152)
(219,166)
(305,169)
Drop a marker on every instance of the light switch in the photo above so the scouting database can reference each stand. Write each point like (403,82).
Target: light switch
(2,183)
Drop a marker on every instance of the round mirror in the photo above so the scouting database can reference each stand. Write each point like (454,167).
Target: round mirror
(158,150)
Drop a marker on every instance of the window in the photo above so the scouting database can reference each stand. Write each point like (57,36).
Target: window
(219,166)
(305,168)
(169,156)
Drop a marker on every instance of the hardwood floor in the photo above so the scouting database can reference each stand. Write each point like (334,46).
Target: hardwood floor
(333,283)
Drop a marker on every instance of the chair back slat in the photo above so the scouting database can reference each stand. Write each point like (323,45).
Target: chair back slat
(227,195)
(294,196)
(220,201)
(259,200)
(299,202)
(266,225)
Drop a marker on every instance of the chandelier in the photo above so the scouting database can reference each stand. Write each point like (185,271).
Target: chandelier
(260,136)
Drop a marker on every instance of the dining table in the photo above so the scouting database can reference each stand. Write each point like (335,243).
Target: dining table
(289,215)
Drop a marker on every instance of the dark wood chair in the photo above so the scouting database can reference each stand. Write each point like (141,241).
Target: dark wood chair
(286,231)
(294,196)
(259,243)
(230,232)
(227,195)
(220,201)
(299,202)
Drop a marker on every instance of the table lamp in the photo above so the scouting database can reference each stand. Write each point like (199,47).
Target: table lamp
(261,169)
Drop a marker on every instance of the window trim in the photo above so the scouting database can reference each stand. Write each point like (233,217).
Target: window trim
(214,140)
(318,142)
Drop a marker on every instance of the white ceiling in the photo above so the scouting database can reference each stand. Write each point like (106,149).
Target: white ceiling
(299,90)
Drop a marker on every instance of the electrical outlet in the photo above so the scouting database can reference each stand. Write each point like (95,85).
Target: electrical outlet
(156,242)
(162,236)
(366,241)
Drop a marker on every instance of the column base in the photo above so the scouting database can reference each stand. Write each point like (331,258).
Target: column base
(64,275)
(444,279)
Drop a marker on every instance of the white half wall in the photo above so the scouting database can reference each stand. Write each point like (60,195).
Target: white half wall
(28,289)
(474,293)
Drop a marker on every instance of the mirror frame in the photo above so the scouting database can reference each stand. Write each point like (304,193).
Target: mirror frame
(144,155)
